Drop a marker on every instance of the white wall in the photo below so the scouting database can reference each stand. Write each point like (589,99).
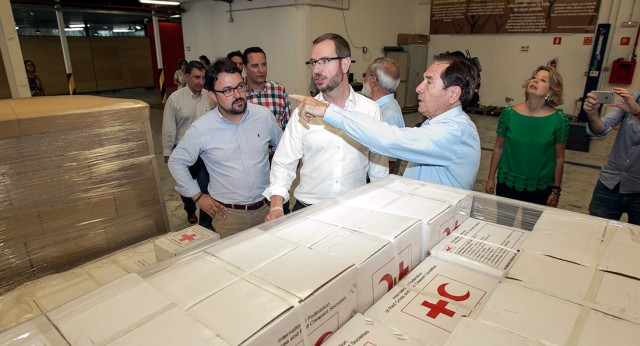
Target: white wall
(285,33)
(505,67)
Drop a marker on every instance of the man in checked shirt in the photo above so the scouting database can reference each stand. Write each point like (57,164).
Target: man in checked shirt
(262,91)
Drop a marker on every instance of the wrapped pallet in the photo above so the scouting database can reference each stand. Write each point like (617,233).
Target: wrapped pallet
(78,179)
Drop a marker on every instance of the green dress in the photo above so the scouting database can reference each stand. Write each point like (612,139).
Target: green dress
(528,157)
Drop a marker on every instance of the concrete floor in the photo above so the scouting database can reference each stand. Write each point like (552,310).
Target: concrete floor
(580,174)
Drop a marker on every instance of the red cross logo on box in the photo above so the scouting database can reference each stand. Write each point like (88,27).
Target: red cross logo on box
(625,41)
(187,237)
(446,303)
(448,248)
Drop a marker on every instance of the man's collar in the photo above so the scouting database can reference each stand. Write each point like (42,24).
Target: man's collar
(350,100)
(193,96)
(448,114)
(384,99)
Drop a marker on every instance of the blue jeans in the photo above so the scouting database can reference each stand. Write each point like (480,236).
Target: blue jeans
(611,204)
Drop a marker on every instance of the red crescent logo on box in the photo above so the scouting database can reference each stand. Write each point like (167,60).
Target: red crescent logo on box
(322,338)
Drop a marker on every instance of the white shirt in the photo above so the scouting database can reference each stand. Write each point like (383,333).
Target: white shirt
(180,111)
(332,162)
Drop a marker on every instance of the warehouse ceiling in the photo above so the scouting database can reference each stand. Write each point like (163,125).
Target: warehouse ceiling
(39,16)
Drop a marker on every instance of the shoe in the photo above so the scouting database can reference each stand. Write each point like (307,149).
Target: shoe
(192,219)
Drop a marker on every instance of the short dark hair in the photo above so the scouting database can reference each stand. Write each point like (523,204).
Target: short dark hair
(222,65)
(206,60)
(342,46)
(235,53)
(245,55)
(461,72)
(194,64)
(180,62)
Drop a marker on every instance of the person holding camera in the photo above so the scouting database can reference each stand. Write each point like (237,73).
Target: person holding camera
(529,151)
(618,188)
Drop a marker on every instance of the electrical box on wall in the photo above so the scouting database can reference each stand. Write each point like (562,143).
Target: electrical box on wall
(622,72)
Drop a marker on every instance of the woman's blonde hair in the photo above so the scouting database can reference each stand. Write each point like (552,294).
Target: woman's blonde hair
(555,85)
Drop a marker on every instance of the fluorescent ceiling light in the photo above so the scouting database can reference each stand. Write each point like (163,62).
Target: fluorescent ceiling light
(73,29)
(123,30)
(175,16)
(160,2)
(76,25)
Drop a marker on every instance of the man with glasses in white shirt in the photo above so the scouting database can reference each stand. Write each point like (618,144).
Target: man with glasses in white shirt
(332,163)
(233,142)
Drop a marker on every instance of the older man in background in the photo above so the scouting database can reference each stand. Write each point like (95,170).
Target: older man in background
(380,83)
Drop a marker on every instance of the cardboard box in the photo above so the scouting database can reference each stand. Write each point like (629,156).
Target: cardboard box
(431,300)
(181,242)
(38,331)
(478,333)
(482,246)
(462,200)
(570,236)
(269,290)
(551,320)
(109,312)
(55,290)
(17,306)
(615,291)
(531,313)
(75,148)
(174,327)
(558,278)
(407,39)
(381,259)
(436,216)
(136,258)
(365,331)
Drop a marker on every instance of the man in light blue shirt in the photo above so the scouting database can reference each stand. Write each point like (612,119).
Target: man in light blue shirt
(380,83)
(233,141)
(445,149)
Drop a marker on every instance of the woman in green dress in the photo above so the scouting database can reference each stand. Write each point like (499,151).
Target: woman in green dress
(529,151)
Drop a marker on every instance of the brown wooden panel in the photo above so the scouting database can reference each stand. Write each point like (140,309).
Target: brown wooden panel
(122,62)
(82,62)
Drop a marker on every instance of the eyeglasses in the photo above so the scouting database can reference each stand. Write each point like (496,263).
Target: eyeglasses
(322,61)
(228,92)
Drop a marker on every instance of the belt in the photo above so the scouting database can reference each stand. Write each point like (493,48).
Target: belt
(253,206)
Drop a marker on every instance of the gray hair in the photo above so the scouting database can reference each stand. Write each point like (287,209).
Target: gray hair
(387,73)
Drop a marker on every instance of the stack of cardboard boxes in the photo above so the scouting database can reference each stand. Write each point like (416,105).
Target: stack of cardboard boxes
(351,272)
(78,180)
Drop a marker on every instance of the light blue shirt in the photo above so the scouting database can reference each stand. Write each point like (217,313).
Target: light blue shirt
(236,155)
(391,112)
(445,150)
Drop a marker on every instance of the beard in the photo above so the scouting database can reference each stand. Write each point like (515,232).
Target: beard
(366,90)
(331,82)
(236,109)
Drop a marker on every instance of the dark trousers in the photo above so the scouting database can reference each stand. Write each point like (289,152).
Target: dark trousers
(199,172)
(611,204)
(299,205)
(507,212)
